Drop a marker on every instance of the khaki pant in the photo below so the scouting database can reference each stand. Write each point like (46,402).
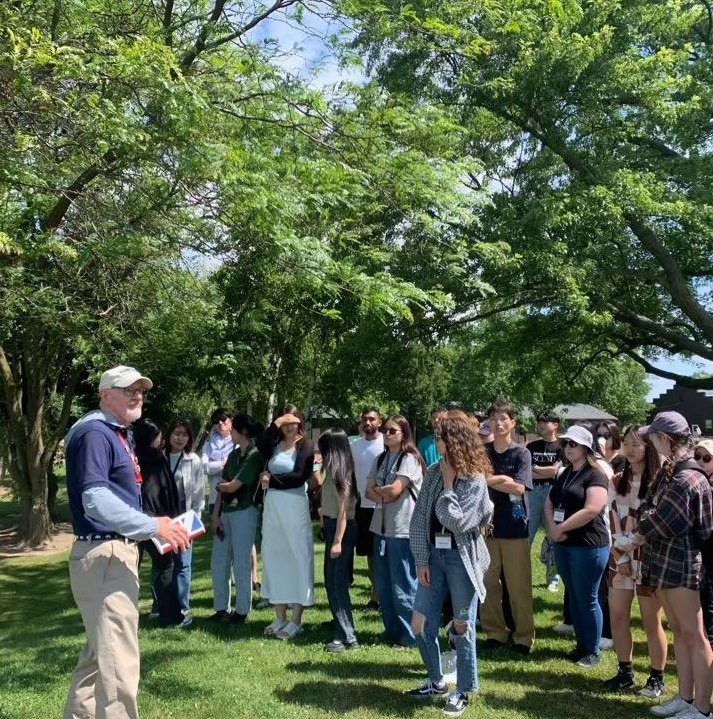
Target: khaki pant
(512,558)
(105,586)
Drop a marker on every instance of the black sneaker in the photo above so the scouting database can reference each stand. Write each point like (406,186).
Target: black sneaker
(619,683)
(575,654)
(589,660)
(220,616)
(491,643)
(522,649)
(236,618)
(456,704)
(372,604)
(428,690)
(654,688)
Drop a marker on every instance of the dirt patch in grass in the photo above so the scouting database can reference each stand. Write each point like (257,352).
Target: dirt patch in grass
(12,545)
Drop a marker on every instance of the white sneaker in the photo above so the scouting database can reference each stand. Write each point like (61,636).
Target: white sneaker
(605,643)
(672,707)
(694,714)
(554,586)
(563,628)
(271,630)
(689,712)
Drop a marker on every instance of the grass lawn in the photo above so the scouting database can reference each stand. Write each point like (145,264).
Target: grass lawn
(221,672)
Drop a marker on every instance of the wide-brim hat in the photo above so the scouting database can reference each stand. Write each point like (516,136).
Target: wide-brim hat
(580,435)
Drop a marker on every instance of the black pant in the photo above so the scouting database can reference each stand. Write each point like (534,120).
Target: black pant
(336,579)
(164,584)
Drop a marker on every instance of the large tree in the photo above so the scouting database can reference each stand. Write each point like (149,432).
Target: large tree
(593,124)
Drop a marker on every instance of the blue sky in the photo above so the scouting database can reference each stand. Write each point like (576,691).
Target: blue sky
(302,50)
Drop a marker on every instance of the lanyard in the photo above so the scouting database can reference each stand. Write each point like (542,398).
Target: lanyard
(132,457)
(567,483)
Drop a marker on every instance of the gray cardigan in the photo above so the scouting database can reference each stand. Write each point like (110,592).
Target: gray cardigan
(464,512)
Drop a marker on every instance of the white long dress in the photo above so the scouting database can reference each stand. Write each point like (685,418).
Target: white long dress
(287,544)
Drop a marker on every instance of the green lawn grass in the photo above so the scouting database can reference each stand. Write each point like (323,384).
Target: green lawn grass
(221,672)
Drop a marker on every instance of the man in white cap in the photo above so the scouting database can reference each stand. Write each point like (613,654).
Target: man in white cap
(104,490)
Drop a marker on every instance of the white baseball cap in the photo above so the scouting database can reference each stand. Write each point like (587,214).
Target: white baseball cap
(123,376)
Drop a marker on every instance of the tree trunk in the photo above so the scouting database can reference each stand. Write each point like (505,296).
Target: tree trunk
(52,489)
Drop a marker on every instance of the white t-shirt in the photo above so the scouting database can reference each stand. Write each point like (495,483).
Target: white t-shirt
(397,515)
(365,451)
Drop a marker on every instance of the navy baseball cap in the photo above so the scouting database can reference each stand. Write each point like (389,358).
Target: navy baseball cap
(671,423)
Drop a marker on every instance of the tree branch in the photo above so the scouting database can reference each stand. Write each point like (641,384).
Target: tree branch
(678,340)
(55,216)
(683,380)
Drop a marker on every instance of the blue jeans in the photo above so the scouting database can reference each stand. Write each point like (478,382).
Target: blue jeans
(581,569)
(337,575)
(448,574)
(182,573)
(395,579)
(239,527)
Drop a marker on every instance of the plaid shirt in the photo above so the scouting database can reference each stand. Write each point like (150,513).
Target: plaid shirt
(464,511)
(676,519)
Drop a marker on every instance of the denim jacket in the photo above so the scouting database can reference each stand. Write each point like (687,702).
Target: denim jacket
(464,512)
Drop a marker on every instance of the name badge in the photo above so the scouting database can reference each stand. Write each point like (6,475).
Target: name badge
(559,515)
(444,541)
(382,548)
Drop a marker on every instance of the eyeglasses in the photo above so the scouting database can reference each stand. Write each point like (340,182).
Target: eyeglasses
(571,444)
(392,430)
(603,435)
(702,457)
(133,391)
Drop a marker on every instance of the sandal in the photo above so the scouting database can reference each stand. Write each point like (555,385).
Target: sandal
(289,631)
(277,626)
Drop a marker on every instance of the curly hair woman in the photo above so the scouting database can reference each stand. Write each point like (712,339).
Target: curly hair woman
(451,556)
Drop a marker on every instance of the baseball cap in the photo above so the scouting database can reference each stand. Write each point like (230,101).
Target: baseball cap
(671,423)
(123,376)
(484,430)
(580,435)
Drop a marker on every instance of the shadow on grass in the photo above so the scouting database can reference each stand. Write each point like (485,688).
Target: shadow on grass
(331,697)
(356,668)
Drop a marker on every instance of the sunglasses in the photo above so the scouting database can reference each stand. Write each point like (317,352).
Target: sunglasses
(702,457)
(392,430)
(571,444)
(603,435)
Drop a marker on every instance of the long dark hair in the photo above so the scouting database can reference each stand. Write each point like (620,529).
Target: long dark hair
(337,460)
(407,444)
(145,432)
(652,464)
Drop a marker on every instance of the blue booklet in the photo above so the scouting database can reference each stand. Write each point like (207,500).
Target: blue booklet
(193,525)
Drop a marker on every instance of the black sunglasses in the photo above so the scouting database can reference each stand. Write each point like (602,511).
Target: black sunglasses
(702,457)
(571,443)
(392,430)
(603,435)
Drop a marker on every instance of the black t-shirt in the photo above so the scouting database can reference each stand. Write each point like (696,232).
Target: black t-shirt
(569,492)
(510,518)
(545,454)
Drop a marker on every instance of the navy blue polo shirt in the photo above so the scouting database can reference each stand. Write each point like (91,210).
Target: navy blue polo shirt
(96,457)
